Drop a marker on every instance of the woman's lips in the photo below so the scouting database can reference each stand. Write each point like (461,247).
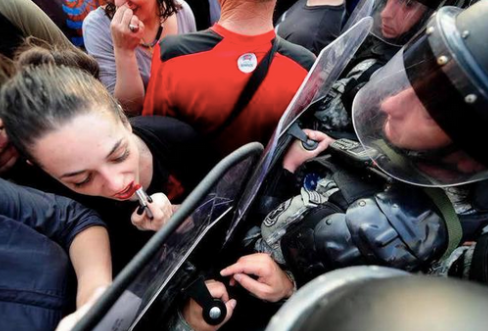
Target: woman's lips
(126,193)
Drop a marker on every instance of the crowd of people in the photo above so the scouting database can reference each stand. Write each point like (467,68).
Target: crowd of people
(164,89)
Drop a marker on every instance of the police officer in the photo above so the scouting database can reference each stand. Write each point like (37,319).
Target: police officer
(419,119)
(395,22)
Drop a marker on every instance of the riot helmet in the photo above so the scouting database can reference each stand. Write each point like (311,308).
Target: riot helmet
(383,299)
(426,111)
(397,21)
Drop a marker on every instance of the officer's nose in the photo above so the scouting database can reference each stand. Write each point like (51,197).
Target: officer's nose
(391,106)
(390,10)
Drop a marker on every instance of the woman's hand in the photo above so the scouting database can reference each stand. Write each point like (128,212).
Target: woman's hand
(192,312)
(273,284)
(123,37)
(161,209)
(296,155)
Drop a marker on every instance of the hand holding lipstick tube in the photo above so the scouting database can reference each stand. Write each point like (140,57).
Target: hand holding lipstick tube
(154,211)
(144,199)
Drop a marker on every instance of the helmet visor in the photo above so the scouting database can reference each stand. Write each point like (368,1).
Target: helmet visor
(389,117)
(396,21)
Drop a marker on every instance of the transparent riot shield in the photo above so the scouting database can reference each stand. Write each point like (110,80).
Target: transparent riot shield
(161,269)
(363,9)
(326,70)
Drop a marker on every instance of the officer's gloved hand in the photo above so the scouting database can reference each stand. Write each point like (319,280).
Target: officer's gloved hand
(297,154)
(192,312)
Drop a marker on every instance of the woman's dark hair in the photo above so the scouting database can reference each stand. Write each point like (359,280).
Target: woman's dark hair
(166,8)
(35,51)
(40,99)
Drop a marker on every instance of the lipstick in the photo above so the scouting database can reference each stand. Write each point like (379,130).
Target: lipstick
(144,200)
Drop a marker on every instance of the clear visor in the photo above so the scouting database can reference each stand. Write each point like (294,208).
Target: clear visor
(397,21)
(389,117)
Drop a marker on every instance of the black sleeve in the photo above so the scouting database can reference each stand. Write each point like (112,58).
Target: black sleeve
(58,218)
(177,146)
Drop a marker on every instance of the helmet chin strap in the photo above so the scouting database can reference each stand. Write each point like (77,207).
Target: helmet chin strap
(430,155)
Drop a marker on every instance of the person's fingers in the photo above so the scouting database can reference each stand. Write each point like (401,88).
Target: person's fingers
(217,290)
(127,17)
(250,264)
(230,305)
(135,24)
(119,14)
(161,209)
(138,219)
(242,266)
(257,288)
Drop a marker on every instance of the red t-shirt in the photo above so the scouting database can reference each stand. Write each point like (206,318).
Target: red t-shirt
(198,78)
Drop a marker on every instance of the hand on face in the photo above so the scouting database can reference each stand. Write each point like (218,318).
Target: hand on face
(161,209)
(123,37)
(296,155)
(8,153)
(273,284)
(192,313)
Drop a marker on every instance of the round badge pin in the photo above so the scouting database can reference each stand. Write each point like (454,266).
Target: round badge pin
(247,62)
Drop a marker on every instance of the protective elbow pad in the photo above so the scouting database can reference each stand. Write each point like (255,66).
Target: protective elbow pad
(396,228)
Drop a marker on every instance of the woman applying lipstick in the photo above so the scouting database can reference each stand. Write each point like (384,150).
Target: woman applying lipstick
(65,122)
(121,37)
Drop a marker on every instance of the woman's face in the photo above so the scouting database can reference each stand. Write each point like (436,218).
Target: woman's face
(408,124)
(399,16)
(94,154)
(143,9)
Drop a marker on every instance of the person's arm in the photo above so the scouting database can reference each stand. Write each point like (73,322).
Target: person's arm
(91,259)
(113,45)
(129,87)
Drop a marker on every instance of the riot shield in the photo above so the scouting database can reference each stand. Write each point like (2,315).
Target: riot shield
(161,269)
(363,9)
(326,70)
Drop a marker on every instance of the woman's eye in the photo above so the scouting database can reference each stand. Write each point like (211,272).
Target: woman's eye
(83,182)
(122,157)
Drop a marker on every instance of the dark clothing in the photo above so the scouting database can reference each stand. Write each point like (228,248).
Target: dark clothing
(201,10)
(313,27)
(178,154)
(36,231)
(11,40)
(22,18)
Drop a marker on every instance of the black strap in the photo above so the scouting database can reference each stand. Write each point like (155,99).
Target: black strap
(250,89)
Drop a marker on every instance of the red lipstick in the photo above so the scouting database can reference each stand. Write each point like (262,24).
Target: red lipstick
(144,200)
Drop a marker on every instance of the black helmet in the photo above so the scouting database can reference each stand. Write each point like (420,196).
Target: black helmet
(426,111)
(383,299)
